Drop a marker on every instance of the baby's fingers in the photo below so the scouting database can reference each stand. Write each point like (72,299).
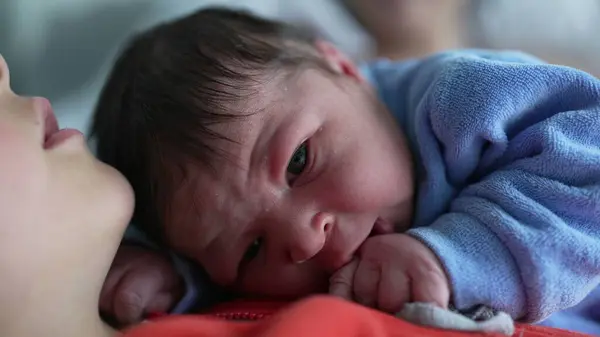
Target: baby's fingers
(341,283)
(366,283)
(135,292)
(394,290)
(162,302)
(109,290)
(430,286)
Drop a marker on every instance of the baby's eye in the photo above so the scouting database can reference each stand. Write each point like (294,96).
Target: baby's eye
(253,250)
(297,163)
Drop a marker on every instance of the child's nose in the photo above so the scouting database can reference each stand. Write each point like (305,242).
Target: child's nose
(307,243)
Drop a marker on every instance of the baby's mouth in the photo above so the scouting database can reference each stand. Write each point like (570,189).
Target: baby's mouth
(381,227)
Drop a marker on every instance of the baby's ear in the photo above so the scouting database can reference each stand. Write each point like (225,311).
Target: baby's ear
(337,61)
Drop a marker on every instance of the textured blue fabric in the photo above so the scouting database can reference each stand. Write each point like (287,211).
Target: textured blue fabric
(508,159)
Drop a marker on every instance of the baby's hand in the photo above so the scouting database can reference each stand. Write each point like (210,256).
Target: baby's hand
(140,281)
(391,270)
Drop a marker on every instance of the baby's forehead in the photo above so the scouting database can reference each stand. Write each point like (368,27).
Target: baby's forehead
(210,193)
(269,100)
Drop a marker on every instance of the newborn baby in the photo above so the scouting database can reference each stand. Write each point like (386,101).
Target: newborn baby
(261,154)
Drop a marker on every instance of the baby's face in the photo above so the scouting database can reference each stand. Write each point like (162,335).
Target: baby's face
(320,167)
(54,195)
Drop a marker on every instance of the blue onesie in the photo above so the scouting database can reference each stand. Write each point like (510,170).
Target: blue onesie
(508,161)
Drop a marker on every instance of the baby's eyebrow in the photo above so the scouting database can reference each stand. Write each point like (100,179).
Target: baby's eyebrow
(258,146)
(265,161)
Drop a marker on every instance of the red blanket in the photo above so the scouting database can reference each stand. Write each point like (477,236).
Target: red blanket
(314,317)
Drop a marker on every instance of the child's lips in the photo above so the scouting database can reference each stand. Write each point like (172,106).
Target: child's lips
(52,135)
(60,137)
(46,118)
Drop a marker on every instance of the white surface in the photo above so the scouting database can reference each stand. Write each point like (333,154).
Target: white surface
(563,24)
(560,31)
(62,49)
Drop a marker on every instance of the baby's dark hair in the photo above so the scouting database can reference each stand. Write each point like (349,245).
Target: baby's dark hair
(172,83)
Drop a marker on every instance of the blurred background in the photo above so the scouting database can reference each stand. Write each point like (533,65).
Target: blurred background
(63,49)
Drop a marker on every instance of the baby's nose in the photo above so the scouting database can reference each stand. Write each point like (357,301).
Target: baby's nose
(308,242)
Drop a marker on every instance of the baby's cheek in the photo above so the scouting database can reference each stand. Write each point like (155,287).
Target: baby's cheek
(358,189)
(189,241)
(180,239)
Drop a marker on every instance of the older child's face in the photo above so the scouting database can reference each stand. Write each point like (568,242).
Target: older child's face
(321,167)
(52,188)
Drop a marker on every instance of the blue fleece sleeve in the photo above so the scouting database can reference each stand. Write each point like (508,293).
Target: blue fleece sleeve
(191,278)
(509,192)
